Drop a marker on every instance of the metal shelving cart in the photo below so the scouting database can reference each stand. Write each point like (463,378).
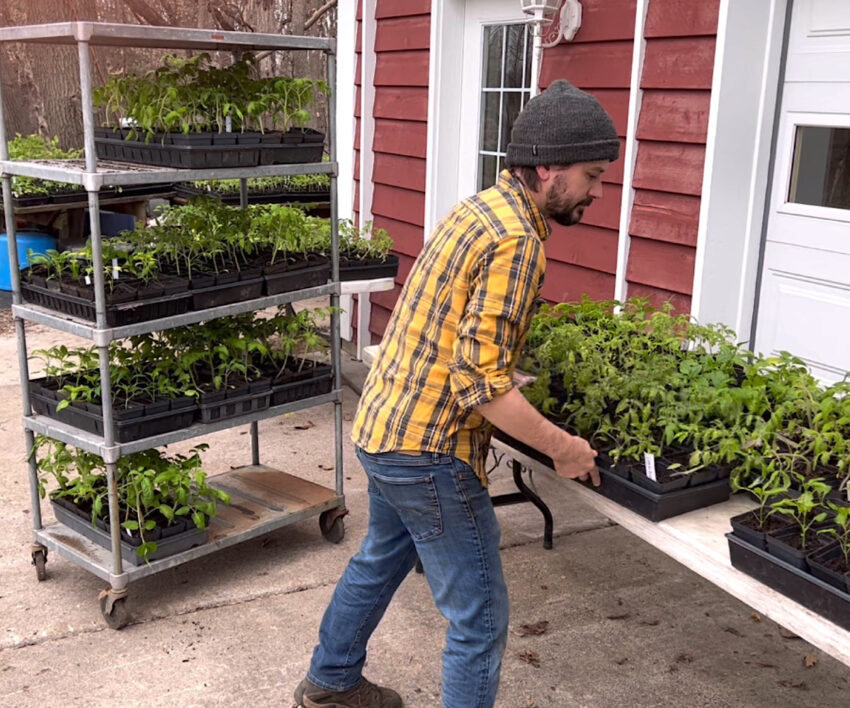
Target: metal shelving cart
(263,499)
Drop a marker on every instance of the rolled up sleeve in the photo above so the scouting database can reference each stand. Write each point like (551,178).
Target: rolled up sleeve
(505,283)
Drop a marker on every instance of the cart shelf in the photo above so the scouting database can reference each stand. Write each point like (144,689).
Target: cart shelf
(113,174)
(87,329)
(96,444)
(107,34)
(262,500)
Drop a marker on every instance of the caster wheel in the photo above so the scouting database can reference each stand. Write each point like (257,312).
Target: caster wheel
(39,560)
(332,525)
(116,616)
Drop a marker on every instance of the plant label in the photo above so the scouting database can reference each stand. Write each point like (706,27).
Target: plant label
(649,463)
(115,269)
(88,280)
(228,124)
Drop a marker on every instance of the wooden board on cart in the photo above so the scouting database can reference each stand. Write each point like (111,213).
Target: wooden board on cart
(260,494)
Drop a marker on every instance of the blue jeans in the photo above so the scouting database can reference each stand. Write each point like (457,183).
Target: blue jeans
(431,506)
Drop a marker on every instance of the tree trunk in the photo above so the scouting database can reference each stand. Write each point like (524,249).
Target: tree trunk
(41,87)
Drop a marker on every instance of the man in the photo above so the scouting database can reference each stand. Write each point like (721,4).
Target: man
(442,378)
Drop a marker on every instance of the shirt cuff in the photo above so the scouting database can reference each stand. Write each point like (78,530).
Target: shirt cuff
(473,387)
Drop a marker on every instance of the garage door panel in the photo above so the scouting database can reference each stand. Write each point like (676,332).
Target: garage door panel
(804,302)
(820,28)
(807,315)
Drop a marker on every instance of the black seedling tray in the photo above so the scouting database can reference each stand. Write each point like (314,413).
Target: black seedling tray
(232,198)
(657,507)
(235,406)
(365,271)
(179,156)
(89,418)
(811,592)
(165,545)
(642,501)
(297,279)
(289,153)
(216,295)
(318,382)
(117,315)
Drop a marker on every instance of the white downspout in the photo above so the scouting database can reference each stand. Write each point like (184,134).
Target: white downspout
(367,156)
(630,158)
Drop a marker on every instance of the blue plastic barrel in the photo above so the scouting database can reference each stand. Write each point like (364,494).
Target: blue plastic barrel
(26,240)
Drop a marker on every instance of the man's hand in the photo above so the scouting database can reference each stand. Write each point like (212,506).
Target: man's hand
(572,456)
(576,460)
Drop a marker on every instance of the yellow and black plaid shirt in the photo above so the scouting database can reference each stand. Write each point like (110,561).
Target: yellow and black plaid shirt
(455,335)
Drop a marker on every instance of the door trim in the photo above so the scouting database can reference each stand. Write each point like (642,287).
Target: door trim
(736,190)
(444,82)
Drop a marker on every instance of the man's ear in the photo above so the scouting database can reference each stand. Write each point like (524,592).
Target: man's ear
(543,172)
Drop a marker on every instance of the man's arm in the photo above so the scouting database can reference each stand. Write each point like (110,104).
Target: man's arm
(512,413)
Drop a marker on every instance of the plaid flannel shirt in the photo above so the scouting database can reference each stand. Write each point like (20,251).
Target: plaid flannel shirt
(456,332)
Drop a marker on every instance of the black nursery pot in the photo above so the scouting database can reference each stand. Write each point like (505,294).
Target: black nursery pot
(192,139)
(605,462)
(786,545)
(828,565)
(667,481)
(745,527)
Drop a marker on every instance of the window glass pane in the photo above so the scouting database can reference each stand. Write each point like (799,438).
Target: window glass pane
(490,121)
(493,56)
(529,41)
(506,78)
(820,173)
(514,56)
(510,110)
(487,167)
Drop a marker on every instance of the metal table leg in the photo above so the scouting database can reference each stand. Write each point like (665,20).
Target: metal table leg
(526,494)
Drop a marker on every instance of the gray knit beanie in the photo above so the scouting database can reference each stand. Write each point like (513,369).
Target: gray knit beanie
(560,126)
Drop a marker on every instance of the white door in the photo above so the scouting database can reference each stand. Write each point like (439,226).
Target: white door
(804,304)
(495,84)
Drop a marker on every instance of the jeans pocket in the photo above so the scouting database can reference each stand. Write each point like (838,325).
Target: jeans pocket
(415,501)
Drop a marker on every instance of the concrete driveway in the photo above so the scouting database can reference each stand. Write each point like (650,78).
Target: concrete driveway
(621,624)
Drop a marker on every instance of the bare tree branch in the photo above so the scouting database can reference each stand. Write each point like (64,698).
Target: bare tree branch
(316,16)
(146,13)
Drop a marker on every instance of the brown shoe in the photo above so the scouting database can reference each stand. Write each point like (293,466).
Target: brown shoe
(364,695)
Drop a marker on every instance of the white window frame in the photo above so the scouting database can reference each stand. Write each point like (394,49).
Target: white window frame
(785,163)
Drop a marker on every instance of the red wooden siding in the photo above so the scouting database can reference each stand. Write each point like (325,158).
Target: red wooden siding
(678,18)
(680,116)
(665,217)
(680,63)
(399,148)
(671,133)
(583,258)
(670,167)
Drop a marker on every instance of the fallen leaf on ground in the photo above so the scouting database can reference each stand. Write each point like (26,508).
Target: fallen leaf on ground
(623,616)
(684,658)
(756,617)
(304,426)
(788,683)
(622,661)
(810,660)
(787,633)
(536,628)
(761,664)
(650,623)
(326,467)
(734,631)
(530,657)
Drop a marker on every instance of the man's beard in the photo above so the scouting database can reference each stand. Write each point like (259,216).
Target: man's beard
(561,210)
